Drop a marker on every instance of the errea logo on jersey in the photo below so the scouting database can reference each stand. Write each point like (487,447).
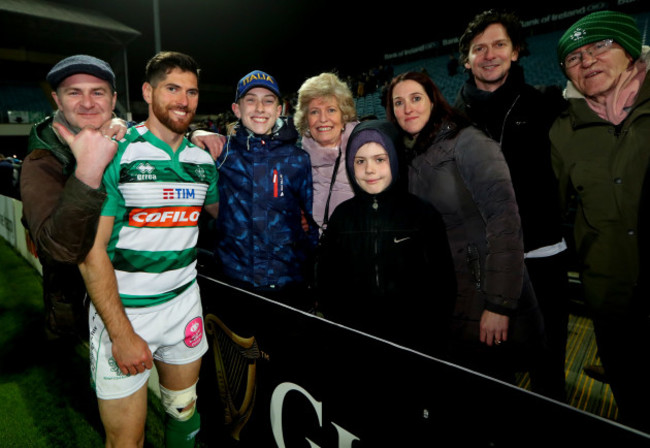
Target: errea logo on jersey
(145,171)
(164,217)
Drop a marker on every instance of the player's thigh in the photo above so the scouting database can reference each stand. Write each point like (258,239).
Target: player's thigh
(124,418)
(178,376)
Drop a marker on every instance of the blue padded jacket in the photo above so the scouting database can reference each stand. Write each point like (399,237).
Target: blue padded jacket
(265,185)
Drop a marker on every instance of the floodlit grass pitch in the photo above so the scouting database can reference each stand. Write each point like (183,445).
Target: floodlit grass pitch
(45,395)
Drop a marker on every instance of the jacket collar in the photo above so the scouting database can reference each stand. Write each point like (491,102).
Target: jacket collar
(283,132)
(471,94)
(319,155)
(42,136)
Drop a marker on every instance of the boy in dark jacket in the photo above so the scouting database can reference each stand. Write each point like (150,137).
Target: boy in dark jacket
(387,250)
(265,186)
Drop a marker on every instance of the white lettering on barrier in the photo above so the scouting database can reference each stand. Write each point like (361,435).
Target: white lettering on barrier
(345,437)
(277,402)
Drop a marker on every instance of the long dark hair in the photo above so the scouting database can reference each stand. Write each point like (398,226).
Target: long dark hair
(442,114)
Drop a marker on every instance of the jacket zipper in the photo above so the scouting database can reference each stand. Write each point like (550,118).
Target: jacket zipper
(375,206)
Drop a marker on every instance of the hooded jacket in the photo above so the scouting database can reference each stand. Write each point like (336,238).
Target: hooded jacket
(388,253)
(265,185)
(604,165)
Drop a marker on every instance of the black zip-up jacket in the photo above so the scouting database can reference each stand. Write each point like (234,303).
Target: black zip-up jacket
(384,260)
(518,116)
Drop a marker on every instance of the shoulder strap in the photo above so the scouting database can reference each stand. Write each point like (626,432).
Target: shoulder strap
(329,195)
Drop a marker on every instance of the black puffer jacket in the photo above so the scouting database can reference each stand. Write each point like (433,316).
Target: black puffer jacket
(466,178)
(385,260)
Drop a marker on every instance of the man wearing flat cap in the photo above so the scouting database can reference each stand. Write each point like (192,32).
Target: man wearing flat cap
(61,185)
(600,151)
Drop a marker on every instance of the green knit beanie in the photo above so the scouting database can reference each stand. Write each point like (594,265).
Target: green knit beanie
(599,26)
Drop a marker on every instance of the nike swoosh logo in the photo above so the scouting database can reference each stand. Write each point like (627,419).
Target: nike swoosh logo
(396,240)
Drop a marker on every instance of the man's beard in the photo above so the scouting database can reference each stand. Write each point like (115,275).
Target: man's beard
(163,115)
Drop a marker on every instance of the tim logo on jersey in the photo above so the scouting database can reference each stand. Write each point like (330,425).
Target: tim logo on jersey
(178,193)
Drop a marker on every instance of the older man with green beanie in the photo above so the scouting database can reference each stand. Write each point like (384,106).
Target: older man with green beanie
(600,151)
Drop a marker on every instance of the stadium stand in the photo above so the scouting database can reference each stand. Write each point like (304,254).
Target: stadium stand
(34,36)
(540,68)
(24,102)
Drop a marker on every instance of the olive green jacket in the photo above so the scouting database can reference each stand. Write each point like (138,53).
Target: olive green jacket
(602,166)
(60,211)
(61,214)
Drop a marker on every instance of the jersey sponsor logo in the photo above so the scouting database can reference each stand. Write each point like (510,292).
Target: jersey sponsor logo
(145,171)
(164,217)
(200,173)
(178,193)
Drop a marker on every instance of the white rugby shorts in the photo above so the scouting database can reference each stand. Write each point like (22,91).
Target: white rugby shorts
(175,334)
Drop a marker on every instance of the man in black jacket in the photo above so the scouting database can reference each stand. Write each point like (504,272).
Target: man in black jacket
(519,116)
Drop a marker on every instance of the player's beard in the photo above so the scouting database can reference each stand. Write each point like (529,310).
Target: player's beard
(164,115)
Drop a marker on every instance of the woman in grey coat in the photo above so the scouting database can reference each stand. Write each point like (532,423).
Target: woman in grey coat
(497,326)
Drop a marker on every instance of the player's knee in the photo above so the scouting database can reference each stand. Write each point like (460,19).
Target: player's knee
(179,404)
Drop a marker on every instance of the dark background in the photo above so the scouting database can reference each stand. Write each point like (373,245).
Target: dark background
(292,39)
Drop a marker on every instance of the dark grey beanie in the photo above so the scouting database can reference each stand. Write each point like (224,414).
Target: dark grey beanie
(80,63)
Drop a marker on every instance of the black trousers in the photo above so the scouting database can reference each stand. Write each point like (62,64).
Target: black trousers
(549,276)
(623,346)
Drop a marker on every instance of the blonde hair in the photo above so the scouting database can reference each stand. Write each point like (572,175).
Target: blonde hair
(323,85)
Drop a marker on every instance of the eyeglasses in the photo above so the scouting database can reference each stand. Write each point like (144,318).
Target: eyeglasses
(593,50)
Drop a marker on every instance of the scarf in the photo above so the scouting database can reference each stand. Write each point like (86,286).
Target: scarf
(489,110)
(621,98)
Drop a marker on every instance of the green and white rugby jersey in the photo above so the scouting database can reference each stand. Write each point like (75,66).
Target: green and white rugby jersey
(156,196)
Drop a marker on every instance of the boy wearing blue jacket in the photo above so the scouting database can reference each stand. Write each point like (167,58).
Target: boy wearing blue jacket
(265,187)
